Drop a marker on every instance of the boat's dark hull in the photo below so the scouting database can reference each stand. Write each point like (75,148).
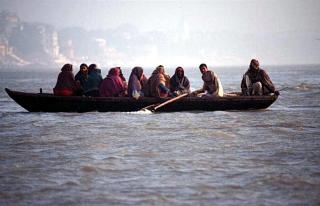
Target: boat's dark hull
(34,102)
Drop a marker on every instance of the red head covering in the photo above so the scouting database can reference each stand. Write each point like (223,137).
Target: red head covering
(112,85)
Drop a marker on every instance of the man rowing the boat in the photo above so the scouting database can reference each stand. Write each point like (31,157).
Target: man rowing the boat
(256,81)
(211,84)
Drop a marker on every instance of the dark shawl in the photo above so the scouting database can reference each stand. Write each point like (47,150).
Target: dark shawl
(66,78)
(177,84)
(94,80)
(81,77)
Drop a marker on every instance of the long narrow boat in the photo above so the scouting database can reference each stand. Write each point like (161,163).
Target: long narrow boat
(43,102)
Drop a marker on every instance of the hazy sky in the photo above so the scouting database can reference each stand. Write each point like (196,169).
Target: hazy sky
(238,15)
(301,18)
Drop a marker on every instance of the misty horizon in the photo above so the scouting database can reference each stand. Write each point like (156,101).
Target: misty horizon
(148,33)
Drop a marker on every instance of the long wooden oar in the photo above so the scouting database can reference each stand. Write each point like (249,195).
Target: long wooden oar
(154,107)
(170,101)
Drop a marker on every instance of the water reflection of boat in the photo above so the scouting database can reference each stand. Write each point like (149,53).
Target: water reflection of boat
(44,102)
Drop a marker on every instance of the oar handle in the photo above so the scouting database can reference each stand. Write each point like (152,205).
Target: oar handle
(154,107)
(170,100)
(175,99)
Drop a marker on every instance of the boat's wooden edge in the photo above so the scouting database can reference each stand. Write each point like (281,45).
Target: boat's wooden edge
(7,90)
(227,96)
(45,102)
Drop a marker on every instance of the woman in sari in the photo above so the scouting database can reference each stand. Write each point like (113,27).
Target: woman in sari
(158,84)
(66,84)
(136,82)
(179,83)
(112,85)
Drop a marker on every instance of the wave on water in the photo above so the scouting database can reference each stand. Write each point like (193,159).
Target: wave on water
(304,87)
(141,112)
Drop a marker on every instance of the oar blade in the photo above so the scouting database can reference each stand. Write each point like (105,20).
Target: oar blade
(149,108)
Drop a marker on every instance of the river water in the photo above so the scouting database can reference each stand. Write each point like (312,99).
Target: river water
(264,157)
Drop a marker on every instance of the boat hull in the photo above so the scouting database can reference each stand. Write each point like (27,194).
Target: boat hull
(36,102)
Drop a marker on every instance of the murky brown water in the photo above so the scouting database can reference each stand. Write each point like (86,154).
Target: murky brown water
(266,157)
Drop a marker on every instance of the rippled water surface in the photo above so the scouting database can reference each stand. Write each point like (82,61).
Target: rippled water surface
(264,157)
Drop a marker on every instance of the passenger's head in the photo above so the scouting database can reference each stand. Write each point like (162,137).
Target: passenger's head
(92,67)
(114,71)
(203,68)
(160,69)
(254,64)
(67,67)
(138,71)
(179,72)
(121,74)
(119,68)
(84,68)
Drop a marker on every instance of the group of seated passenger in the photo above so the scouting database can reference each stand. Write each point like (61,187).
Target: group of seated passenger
(89,82)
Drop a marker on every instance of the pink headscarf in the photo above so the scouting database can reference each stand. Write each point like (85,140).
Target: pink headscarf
(112,85)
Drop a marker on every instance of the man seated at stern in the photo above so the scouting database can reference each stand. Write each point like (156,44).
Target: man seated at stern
(256,81)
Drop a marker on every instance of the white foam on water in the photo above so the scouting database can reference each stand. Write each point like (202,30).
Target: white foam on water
(141,112)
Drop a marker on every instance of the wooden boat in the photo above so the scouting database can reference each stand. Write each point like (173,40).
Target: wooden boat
(43,102)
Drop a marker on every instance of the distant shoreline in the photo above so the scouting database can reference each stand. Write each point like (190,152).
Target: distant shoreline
(147,68)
